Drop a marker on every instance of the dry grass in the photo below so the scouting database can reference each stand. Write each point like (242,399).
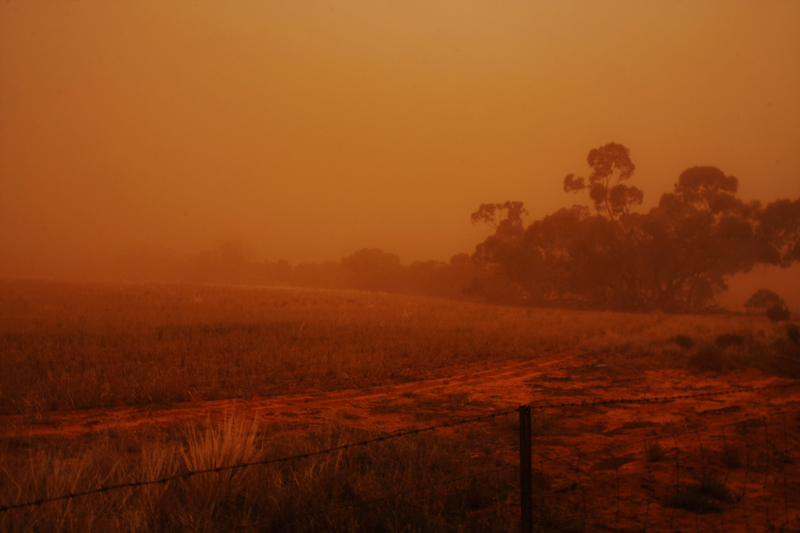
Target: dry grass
(363,489)
(80,345)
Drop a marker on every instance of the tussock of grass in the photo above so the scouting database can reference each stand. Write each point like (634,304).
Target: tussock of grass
(374,488)
(654,451)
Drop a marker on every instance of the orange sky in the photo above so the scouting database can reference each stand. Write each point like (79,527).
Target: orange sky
(311,129)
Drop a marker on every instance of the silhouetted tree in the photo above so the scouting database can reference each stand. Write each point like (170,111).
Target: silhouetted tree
(611,165)
(778,232)
(374,269)
(674,257)
(696,236)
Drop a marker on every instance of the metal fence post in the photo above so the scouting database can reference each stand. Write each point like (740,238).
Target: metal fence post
(525,472)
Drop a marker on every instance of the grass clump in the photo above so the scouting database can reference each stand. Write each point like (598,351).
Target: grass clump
(704,497)
(654,451)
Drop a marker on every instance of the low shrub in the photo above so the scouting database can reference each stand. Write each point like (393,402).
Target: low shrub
(704,497)
(778,313)
(729,339)
(684,341)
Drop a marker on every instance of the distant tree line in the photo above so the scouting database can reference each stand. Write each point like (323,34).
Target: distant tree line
(367,269)
(674,257)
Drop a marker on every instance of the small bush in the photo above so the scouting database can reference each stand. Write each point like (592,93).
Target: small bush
(369,488)
(729,339)
(762,300)
(704,497)
(684,341)
(778,313)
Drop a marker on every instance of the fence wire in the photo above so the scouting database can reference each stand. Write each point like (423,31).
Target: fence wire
(571,487)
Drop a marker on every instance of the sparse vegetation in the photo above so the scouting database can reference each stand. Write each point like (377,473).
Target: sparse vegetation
(775,354)
(364,489)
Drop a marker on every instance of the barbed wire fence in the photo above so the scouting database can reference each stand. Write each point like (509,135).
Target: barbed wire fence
(740,476)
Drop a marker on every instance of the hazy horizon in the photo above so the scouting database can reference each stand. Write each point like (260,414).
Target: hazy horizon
(311,130)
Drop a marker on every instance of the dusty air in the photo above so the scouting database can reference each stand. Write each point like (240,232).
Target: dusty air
(417,266)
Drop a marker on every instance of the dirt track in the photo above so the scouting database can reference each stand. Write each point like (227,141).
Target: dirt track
(468,391)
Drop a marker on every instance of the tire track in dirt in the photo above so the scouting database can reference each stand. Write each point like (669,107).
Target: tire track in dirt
(469,391)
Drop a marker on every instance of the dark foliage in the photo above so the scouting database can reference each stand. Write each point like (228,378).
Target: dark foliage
(793,332)
(761,300)
(684,341)
(366,269)
(674,257)
(778,313)
(729,339)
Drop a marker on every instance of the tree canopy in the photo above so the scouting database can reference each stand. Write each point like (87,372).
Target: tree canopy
(675,257)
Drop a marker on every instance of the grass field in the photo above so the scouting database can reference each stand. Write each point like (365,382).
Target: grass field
(78,346)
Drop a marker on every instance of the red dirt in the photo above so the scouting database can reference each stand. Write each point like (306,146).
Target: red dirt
(593,455)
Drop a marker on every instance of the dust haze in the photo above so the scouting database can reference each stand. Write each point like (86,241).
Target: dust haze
(270,142)
(408,265)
